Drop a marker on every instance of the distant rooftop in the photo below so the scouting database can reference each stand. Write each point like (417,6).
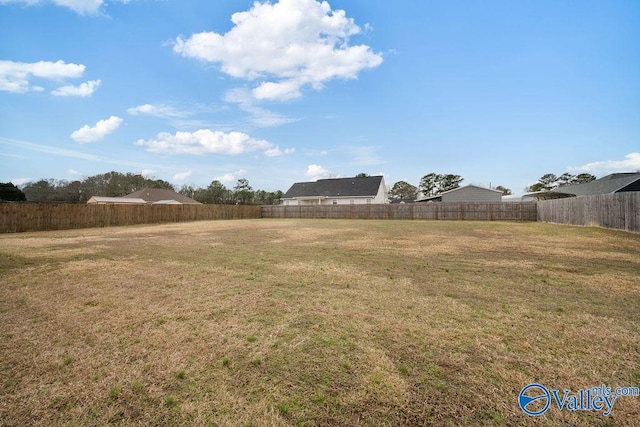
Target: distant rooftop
(336,187)
(153,195)
(605,185)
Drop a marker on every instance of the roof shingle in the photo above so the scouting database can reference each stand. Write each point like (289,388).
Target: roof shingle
(336,187)
(605,185)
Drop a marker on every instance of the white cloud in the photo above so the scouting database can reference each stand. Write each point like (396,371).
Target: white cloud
(15,76)
(20,181)
(81,7)
(204,141)
(159,110)
(285,46)
(277,152)
(259,116)
(61,152)
(85,89)
(232,176)
(182,176)
(282,90)
(180,117)
(96,133)
(316,172)
(631,163)
(73,172)
(147,172)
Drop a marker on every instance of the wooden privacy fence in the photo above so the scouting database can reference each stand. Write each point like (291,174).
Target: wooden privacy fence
(18,217)
(619,210)
(497,211)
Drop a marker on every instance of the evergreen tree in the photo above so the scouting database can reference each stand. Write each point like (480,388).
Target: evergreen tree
(10,193)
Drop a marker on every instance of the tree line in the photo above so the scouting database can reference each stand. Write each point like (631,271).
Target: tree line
(116,184)
(242,192)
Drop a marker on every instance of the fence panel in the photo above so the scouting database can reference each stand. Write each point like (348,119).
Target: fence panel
(18,217)
(525,211)
(620,211)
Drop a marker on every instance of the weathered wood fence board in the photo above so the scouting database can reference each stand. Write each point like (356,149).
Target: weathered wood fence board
(18,217)
(619,210)
(497,211)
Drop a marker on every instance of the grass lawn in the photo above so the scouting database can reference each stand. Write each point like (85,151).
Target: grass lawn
(315,323)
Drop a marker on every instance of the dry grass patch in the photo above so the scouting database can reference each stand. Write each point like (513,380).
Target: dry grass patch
(304,322)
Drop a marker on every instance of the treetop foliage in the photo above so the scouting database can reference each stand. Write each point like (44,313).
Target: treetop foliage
(241,193)
(505,191)
(402,190)
(116,184)
(433,184)
(11,193)
(549,181)
(110,184)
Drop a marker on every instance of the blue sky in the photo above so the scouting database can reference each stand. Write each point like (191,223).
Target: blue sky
(500,92)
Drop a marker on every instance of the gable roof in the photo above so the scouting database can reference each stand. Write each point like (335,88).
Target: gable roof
(152,195)
(471,185)
(336,187)
(605,185)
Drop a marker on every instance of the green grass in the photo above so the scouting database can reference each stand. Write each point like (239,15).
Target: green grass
(114,392)
(67,360)
(315,322)
(283,409)
(137,387)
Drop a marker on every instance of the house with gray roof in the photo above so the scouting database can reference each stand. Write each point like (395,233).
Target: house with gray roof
(613,183)
(337,191)
(467,194)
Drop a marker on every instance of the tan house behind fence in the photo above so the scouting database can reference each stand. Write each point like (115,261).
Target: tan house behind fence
(146,196)
(99,200)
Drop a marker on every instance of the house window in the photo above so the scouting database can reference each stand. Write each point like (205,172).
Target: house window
(368,201)
(286,203)
(352,201)
(335,202)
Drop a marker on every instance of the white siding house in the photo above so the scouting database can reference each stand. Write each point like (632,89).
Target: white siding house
(337,191)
